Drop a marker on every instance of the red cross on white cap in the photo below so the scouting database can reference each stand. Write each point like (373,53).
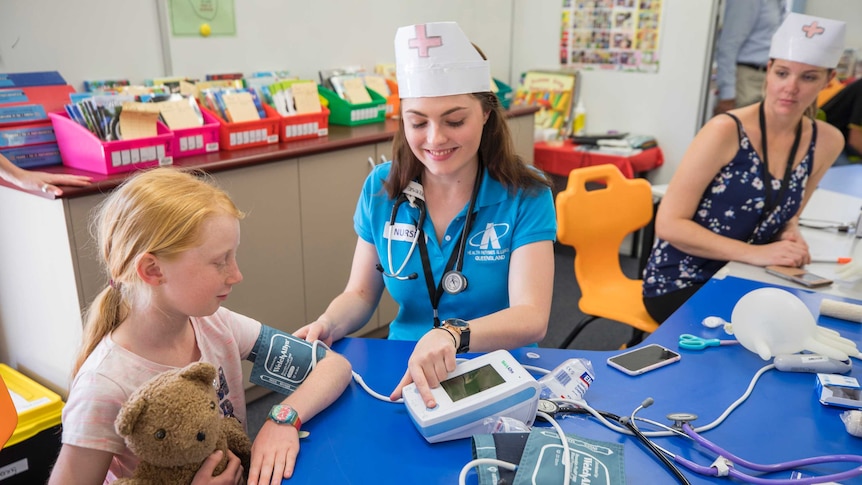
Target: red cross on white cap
(437,59)
(810,40)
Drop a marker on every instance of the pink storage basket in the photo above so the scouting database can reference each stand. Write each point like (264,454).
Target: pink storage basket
(81,149)
(197,140)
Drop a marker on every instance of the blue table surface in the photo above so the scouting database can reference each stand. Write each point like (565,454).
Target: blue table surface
(362,440)
(846,179)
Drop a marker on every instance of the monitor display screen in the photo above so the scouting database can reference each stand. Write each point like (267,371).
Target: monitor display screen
(472,382)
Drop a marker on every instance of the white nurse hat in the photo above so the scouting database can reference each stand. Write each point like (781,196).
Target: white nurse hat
(810,40)
(437,59)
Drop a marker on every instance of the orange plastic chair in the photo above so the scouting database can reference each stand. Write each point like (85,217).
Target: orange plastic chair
(8,414)
(594,220)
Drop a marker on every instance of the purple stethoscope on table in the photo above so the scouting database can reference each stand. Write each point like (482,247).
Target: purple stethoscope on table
(727,464)
(724,465)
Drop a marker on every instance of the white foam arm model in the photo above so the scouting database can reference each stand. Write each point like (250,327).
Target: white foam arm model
(842,310)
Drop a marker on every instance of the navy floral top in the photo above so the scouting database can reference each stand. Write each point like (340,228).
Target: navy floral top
(732,205)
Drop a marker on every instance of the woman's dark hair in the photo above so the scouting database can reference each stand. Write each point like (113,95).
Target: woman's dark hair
(496,150)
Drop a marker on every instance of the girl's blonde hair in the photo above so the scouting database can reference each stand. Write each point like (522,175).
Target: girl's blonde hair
(159,211)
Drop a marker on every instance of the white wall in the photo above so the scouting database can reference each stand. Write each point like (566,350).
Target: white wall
(33,270)
(849,11)
(92,39)
(83,39)
(305,36)
(96,39)
(665,104)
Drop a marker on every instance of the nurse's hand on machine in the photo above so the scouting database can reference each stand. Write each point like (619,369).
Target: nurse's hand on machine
(432,360)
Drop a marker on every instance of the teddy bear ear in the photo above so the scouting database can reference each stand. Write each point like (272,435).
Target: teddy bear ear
(199,371)
(128,416)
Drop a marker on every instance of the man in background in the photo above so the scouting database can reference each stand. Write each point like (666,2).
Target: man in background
(844,111)
(743,50)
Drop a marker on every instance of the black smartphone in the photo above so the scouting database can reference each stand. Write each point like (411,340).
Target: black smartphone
(643,359)
(798,275)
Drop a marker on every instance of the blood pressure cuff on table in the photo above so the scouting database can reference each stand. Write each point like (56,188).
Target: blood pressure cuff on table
(281,361)
(538,456)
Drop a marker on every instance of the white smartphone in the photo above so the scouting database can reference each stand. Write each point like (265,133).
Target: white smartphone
(643,359)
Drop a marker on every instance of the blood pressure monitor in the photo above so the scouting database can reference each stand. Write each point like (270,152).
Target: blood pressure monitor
(488,386)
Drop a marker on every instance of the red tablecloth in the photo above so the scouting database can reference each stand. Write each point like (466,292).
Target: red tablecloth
(560,159)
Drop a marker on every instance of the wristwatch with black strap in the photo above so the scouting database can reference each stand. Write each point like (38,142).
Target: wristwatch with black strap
(462,329)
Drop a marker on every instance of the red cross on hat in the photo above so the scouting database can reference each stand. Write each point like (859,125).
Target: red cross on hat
(813,29)
(422,42)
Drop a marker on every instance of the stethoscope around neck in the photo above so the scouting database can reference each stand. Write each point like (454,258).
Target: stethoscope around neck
(414,195)
(453,281)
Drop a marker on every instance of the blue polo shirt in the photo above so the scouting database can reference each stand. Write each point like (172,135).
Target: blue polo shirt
(504,221)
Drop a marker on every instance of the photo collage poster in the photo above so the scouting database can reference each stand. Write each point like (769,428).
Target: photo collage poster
(620,35)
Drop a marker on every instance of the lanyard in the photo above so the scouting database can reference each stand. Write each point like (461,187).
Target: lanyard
(435,293)
(770,203)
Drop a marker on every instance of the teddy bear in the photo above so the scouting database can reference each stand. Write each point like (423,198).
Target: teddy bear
(173,422)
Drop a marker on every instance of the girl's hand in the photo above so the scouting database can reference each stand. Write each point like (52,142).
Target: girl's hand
(273,454)
(232,474)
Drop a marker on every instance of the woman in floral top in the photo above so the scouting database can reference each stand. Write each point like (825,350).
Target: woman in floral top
(746,177)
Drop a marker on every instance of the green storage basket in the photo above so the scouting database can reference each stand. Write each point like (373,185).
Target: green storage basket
(346,114)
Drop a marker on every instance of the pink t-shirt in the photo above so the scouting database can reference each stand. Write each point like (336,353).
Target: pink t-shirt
(111,373)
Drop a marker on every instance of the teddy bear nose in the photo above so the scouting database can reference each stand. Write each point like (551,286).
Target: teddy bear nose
(201,436)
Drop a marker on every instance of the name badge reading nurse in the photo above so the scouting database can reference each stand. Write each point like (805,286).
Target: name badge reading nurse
(400,232)
(281,361)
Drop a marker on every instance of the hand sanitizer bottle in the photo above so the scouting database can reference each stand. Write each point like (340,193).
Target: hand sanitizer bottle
(580,124)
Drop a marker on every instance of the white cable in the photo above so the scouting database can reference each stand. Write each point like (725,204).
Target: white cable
(536,369)
(583,404)
(566,458)
(314,346)
(356,377)
(362,383)
(736,403)
(462,477)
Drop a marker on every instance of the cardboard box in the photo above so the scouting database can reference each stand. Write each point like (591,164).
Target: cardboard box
(30,453)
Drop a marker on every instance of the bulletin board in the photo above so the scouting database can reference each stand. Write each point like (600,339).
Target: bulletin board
(618,35)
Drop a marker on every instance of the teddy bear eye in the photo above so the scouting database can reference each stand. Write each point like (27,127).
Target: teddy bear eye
(212,405)
(160,434)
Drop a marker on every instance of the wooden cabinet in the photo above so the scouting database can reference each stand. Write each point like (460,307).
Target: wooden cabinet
(270,253)
(92,278)
(330,184)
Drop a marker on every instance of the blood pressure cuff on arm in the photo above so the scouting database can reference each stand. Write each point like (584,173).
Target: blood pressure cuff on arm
(538,457)
(281,361)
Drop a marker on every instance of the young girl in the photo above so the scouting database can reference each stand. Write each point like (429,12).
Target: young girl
(169,242)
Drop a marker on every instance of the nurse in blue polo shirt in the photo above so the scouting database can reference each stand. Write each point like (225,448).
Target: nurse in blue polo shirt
(457,227)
